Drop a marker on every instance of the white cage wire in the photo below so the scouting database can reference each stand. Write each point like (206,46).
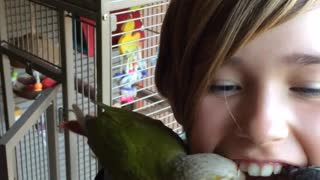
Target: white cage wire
(133,84)
(31,153)
(33,28)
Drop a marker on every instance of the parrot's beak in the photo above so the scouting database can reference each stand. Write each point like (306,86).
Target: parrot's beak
(77,126)
(73,126)
(80,117)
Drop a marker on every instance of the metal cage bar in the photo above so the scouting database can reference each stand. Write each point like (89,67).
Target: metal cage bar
(68,94)
(19,141)
(33,28)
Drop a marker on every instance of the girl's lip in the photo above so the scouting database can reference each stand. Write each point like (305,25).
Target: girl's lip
(278,177)
(287,168)
(281,162)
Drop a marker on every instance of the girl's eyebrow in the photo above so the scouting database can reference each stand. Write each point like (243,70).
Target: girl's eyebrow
(294,59)
(302,59)
(234,60)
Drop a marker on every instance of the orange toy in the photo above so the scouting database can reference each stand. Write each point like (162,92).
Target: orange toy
(38,85)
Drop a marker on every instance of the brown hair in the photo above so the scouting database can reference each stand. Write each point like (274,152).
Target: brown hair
(198,36)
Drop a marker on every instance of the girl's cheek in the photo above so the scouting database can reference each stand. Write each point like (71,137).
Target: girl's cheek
(307,119)
(306,128)
(209,127)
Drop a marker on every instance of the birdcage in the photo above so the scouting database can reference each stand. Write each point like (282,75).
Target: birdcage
(102,51)
(30,50)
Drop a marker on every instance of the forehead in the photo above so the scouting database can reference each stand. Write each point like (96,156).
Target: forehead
(298,35)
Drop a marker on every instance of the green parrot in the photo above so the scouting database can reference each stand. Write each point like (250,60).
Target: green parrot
(132,146)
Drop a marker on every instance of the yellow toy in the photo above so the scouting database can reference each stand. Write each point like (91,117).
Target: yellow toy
(124,41)
(134,70)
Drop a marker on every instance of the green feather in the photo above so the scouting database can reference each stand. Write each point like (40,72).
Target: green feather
(133,146)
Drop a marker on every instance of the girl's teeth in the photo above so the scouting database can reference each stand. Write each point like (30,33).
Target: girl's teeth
(266,170)
(277,169)
(254,169)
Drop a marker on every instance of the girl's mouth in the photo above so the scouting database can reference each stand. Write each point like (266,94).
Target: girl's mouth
(260,169)
(265,171)
(274,177)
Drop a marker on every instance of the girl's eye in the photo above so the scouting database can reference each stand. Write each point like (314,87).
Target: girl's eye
(224,90)
(306,91)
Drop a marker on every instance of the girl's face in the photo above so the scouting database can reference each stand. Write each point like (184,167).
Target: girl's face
(263,107)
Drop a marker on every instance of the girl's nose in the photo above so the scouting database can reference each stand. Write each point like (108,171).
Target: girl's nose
(266,118)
